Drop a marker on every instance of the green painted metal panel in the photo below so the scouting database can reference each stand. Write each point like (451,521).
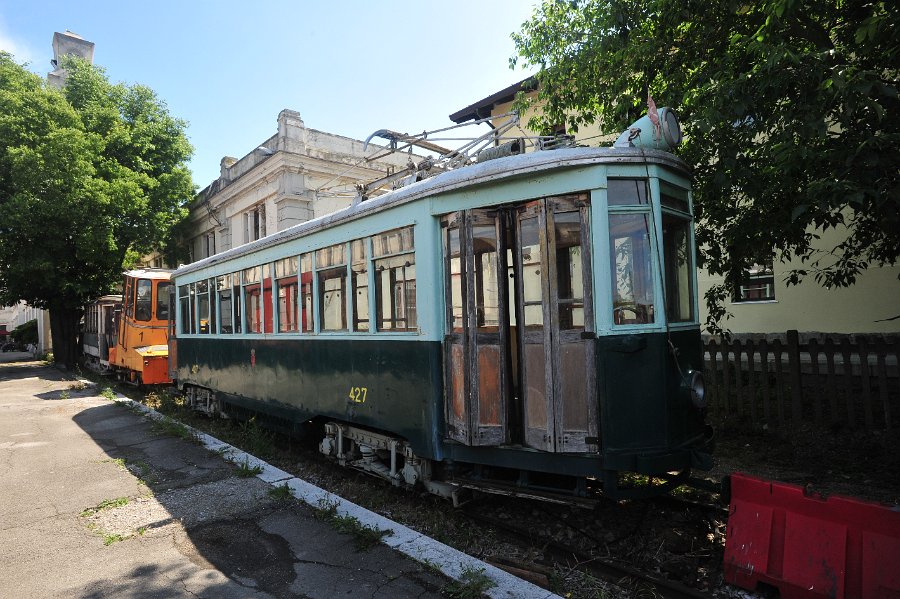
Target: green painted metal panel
(395,386)
(645,406)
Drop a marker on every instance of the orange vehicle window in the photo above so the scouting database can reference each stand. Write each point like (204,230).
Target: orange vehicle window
(143,304)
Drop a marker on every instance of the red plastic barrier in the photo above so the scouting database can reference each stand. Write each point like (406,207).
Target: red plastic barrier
(809,546)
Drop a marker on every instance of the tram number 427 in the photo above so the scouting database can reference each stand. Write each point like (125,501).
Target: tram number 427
(358,394)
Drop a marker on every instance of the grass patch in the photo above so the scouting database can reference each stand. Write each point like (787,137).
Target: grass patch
(78,386)
(109,394)
(245,470)
(109,538)
(281,493)
(255,439)
(64,395)
(106,504)
(173,428)
(163,401)
(472,584)
(142,472)
(364,536)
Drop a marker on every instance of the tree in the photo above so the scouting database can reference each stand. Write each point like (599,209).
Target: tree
(789,111)
(86,174)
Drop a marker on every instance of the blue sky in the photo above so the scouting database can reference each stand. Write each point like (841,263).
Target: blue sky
(228,68)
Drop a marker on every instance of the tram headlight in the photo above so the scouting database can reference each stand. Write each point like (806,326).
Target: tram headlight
(697,388)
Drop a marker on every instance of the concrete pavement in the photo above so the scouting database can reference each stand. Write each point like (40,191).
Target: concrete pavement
(97,502)
(98,499)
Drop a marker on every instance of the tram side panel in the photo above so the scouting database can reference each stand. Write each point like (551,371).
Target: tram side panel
(392,385)
(647,420)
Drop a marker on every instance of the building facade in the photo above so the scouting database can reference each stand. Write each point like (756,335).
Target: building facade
(296,175)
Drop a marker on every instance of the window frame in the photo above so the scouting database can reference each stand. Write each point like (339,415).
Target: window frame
(763,272)
(647,209)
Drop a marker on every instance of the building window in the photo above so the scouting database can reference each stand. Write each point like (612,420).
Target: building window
(255,223)
(758,285)
(209,244)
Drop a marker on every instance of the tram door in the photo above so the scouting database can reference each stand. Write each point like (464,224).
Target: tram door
(477,361)
(519,355)
(558,383)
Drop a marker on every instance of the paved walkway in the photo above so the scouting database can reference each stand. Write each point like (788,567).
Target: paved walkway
(98,499)
(97,502)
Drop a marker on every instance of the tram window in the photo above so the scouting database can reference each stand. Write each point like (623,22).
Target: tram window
(393,242)
(212,305)
(236,296)
(626,192)
(163,291)
(569,271)
(286,281)
(143,304)
(674,197)
(306,296)
(226,312)
(359,280)
(631,269)
(679,268)
(395,281)
(395,293)
(332,278)
(185,307)
(252,300)
(487,296)
(203,307)
(266,299)
(457,307)
(532,291)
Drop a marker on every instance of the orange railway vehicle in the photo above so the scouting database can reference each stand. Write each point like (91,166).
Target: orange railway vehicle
(141,352)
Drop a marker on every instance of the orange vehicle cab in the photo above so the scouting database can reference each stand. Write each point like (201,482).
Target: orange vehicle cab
(141,351)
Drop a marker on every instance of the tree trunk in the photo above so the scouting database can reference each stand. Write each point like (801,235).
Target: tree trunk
(64,331)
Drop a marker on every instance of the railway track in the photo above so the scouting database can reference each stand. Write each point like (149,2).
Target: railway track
(605,568)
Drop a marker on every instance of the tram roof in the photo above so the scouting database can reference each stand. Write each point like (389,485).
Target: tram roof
(149,273)
(469,176)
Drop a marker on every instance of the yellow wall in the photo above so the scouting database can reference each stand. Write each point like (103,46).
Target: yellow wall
(808,307)
(587,135)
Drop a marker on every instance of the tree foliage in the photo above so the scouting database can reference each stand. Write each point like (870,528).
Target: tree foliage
(87,174)
(789,109)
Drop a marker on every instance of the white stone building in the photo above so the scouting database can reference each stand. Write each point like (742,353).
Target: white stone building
(294,176)
(68,43)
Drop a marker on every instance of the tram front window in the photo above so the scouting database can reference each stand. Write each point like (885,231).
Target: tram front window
(679,268)
(631,268)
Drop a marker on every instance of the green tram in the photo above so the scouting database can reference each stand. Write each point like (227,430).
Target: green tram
(525,325)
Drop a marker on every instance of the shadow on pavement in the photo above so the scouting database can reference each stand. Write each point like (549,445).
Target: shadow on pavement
(208,531)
